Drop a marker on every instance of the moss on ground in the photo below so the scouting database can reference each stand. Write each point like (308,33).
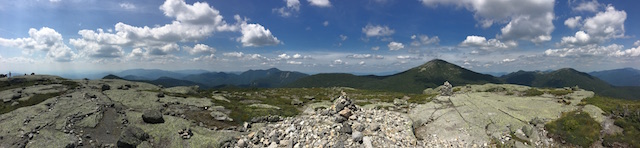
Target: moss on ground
(576,128)
(532,92)
(627,116)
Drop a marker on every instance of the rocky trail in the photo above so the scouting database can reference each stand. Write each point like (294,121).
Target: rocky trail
(118,113)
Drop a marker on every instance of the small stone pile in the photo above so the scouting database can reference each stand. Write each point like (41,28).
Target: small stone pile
(343,125)
(446,89)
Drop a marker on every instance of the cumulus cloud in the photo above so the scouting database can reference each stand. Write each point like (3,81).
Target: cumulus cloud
(361,63)
(325,23)
(192,23)
(127,5)
(607,24)
(233,54)
(45,40)
(199,49)
(573,22)
(424,40)
(591,6)
(395,46)
(579,39)
(95,50)
(527,19)
(255,35)
(377,30)
(320,3)
(599,28)
(292,8)
(637,43)
(589,50)
(486,45)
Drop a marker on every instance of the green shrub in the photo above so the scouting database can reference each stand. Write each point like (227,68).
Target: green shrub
(629,122)
(576,128)
(533,92)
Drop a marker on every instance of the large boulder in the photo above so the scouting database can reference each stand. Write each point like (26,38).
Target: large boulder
(131,137)
(152,116)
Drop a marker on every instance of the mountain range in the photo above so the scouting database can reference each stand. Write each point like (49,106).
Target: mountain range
(619,77)
(429,75)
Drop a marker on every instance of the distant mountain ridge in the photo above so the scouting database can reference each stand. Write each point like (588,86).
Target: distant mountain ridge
(568,77)
(252,78)
(431,74)
(619,77)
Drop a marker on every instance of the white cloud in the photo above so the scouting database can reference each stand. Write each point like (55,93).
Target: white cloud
(377,30)
(292,8)
(127,5)
(633,52)
(599,28)
(338,62)
(375,48)
(294,62)
(162,50)
(343,37)
(508,60)
(199,49)
(591,6)
(527,19)
(608,24)
(579,39)
(136,53)
(325,23)
(395,46)
(255,35)
(361,63)
(364,56)
(233,54)
(284,56)
(424,40)
(637,43)
(484,44)
(589,50)
(96,50)
(573,22)
(320,3)
(46,40)
(407,57)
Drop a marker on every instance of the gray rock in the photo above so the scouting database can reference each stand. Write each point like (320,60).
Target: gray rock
(152,116)
(345,113)
(399,102)
(160,95)
(105,87)
(447,89)
(296,102)
(15,103)
(366,141)
(346,128)
(220,116)
(131,137)
(357,136)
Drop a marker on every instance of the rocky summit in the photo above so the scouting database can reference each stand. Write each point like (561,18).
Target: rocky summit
(120,113)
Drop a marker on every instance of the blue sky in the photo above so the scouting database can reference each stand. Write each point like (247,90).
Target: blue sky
(363,36)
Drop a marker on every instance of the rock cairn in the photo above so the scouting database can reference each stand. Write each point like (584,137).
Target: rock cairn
(343,125)
(446,89)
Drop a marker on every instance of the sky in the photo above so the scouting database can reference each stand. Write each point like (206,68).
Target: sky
(317,36)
